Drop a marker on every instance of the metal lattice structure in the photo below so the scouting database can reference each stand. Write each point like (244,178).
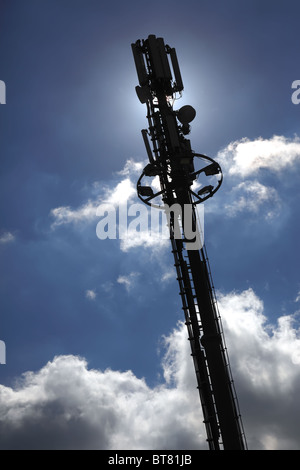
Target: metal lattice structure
(173,162)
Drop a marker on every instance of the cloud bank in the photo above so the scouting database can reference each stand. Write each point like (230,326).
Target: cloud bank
(66,405)
(245,157)
(253,197)
(242,162)
(257,173)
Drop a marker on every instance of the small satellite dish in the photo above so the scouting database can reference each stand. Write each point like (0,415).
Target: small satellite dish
(186,114)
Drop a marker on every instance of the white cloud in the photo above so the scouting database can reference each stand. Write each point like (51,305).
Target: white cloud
(132,168)
(242,162)
(128,281)
(245,157)
(121,193)
(120,196)
(168,275)
(67,215)
(265,359)
(7,237)
(252,196)
(145,239)
(115,194)
(65,405)
(90,294)
(142,231)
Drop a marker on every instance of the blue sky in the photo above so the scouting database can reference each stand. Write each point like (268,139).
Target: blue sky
(101,318)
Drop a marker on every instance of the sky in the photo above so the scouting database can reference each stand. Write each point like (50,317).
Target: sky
(97,355)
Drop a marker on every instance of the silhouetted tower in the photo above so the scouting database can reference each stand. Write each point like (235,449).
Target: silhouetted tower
(172,162)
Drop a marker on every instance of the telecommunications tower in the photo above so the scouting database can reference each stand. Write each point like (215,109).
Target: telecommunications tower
(174,164)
